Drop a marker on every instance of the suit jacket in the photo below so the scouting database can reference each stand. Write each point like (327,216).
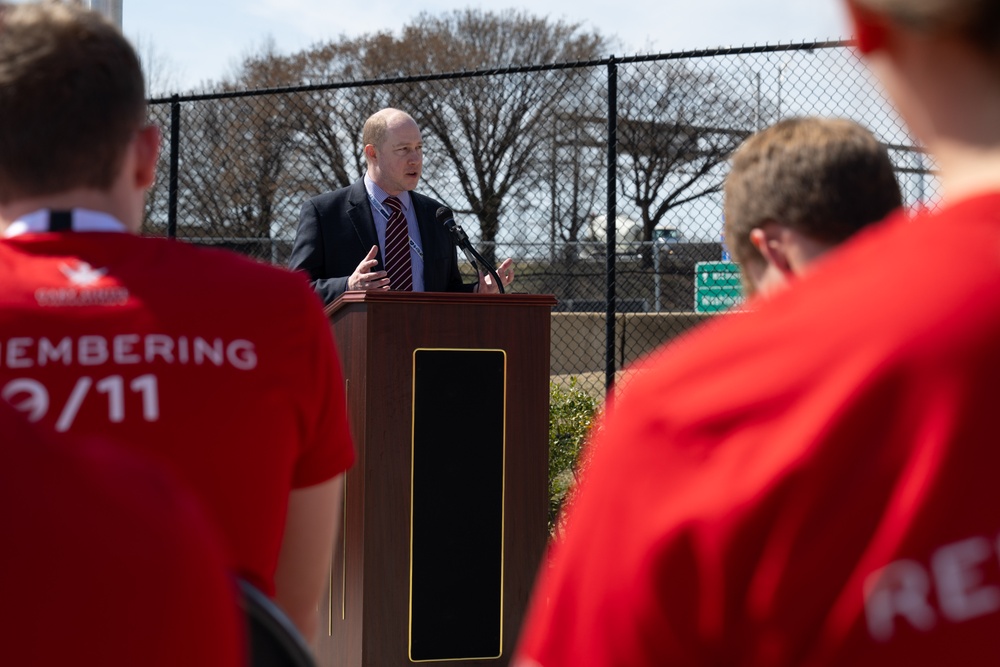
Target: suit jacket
(336,231)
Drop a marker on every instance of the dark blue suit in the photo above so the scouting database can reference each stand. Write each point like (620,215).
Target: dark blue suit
(336,231)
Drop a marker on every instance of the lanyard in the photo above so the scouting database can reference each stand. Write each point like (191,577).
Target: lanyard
(377,205)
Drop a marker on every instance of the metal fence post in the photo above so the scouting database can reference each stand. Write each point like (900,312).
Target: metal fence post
(612,214)
(175,140)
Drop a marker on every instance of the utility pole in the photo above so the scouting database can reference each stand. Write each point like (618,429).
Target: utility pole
(110,8)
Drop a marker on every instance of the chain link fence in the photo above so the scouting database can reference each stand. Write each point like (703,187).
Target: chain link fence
(613,217)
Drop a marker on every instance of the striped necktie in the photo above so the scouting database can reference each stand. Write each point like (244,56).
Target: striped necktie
(397,248)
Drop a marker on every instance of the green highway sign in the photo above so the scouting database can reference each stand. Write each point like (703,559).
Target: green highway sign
(717,287)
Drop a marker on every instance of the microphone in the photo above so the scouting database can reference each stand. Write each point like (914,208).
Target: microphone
(445,216)
(458,235)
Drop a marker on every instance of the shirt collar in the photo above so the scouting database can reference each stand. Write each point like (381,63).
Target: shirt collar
(81,220)
(380,195)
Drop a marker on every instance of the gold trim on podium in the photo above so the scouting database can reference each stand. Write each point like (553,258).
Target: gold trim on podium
(503,497)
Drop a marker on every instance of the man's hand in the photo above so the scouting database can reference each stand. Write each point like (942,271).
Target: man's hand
(506,273)
(364,278)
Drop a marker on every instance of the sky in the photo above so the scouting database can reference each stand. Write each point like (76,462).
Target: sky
(193,42)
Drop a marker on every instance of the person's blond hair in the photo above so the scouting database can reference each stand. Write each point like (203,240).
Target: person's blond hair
(824,177)
(71,99)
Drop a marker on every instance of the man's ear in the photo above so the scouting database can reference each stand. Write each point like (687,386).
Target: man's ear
(147,151)
(869,28)
(770,242)
(369,152)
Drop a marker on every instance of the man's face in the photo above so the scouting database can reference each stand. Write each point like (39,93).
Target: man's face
(400,158)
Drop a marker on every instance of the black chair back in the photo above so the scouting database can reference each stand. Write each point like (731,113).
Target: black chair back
(274,639)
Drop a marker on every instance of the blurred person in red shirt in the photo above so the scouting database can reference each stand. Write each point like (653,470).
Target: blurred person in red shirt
(812,482)
(221,368)
(105,562)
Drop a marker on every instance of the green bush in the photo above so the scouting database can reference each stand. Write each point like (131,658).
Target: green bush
(572,412)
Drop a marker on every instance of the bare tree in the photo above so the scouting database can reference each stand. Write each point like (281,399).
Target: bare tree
(489,131)
(234,157)
(329,122)
(154,219)
(676,126)
(577,179)
(159,71)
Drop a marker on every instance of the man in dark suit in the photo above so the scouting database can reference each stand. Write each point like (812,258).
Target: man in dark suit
(341,233)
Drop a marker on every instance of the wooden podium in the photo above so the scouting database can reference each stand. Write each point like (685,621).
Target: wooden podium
(444,520)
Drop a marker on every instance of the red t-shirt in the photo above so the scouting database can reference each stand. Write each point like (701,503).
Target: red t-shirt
(812,483)
(104,563)
(222,367)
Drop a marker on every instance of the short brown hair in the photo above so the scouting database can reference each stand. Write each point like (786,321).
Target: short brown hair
(71,99)
(826,178)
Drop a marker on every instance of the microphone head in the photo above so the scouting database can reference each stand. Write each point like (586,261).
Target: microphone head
(446,218)
(443,213)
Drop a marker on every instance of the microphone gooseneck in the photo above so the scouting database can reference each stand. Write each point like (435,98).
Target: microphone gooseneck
(445,216)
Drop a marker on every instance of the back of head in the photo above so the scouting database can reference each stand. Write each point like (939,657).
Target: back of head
(975,22)
(71,98)
(825,178)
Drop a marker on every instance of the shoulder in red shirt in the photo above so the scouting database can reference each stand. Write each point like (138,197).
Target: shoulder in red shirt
(221,367)
(811,483)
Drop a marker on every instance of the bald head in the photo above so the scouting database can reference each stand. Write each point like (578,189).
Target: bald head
(394,150)
(379,123)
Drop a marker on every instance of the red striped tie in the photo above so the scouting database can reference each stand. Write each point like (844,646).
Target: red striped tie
(397,248)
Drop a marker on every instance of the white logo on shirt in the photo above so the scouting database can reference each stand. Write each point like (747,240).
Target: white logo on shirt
(83,289)
(84,274)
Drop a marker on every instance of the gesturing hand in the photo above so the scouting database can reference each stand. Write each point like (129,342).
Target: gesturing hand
(506,273)
(364,278)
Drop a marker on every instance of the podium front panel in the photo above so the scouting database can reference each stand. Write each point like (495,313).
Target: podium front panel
(386,608)
(457,489)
